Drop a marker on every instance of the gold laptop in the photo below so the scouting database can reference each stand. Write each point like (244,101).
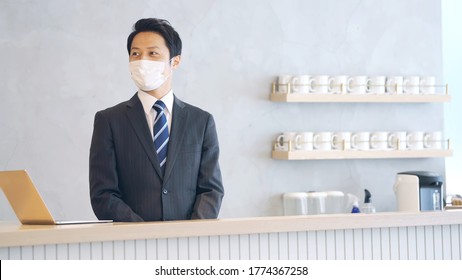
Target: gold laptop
(26,201)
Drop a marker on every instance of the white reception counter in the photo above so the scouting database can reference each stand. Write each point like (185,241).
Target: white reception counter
(431,235)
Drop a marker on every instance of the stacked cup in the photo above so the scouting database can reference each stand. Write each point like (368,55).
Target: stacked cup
(343,84)
(360,141)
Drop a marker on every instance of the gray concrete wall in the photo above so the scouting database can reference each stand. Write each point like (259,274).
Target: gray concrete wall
(61,61)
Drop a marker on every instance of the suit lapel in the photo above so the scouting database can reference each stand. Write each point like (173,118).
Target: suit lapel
(135,114)
(177,133)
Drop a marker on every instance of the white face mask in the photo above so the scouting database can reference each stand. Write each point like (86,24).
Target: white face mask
(148,74)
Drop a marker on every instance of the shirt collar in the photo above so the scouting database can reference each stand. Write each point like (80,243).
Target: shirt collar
(148,101)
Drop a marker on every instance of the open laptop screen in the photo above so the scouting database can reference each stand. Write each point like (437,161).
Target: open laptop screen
(26,201)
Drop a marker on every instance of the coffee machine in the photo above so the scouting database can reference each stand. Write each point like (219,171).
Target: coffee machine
(419,191)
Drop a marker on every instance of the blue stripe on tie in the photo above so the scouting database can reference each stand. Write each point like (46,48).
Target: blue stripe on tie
(158,117)
(161,134)
(160,131)
(162,146)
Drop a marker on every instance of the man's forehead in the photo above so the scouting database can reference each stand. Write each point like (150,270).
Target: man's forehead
(149,39)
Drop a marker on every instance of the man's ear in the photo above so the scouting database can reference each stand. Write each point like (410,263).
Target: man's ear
(176,61)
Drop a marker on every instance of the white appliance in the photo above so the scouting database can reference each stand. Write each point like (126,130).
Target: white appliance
(418,191)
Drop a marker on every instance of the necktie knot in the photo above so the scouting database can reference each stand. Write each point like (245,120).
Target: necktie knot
(159,106)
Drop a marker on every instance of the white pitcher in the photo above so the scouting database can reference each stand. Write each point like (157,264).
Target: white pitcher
(339,202)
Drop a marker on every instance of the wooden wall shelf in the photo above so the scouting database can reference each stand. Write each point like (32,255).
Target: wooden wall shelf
(352,154)
(359,98)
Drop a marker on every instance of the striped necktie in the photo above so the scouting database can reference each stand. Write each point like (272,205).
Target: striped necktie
(161,134)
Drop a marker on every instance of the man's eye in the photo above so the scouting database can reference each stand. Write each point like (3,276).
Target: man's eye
(152,53)
(134,53)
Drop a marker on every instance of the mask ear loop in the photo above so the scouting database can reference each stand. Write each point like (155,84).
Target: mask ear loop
(171,68)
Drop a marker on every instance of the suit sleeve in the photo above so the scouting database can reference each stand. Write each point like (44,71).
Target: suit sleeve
(106,198)
(210,191)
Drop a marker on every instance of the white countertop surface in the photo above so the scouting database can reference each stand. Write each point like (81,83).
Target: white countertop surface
(13,234)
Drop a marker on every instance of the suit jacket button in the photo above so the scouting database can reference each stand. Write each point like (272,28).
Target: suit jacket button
(164,191)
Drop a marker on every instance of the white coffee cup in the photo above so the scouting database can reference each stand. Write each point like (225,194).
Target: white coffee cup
(357,84)
(341,140)
(411,85)
(316,203)
(286,141)
(427,85)
(376,84)
(379,140)
(360,141)
(414,140)
(283,83)
(319,84)
(295,203)
(301,84)
(338,84)
(304,141)
(433,140)
(397,140)
(322,141)
(395,85)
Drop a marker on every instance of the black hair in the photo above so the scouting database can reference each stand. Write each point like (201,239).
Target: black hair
(163,28)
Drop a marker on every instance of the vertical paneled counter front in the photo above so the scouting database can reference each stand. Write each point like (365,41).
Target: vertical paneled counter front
(391,235)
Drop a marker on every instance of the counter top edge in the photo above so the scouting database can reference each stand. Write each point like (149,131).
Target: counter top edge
(12,234)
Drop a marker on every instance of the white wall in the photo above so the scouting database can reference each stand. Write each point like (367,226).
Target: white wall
(452,62)
(61,61)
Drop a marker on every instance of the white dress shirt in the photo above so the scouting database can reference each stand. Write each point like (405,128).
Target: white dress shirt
(148,101)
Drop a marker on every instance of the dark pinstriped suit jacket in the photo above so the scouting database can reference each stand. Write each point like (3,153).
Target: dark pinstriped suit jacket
(126,183)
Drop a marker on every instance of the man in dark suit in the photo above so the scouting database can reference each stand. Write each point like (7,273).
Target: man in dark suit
(154,157)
